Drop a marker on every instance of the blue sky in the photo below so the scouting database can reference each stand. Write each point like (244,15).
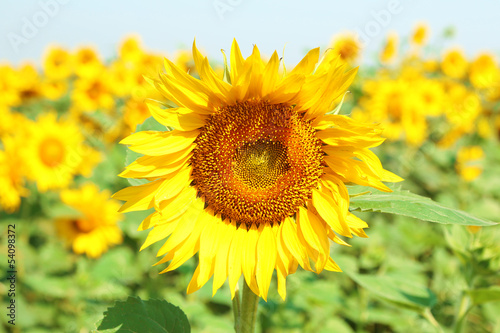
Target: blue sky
(27,26)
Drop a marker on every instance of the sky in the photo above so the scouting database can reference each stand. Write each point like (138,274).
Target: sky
(27,27)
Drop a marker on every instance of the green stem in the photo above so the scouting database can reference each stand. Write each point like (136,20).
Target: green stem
(430,318)
(248,310)
(236,310)
(462,313)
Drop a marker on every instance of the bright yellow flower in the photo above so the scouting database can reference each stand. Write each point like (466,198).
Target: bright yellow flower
(29,83)
(484,72)
(454,64)
(430,96)
(9,95)
(58,64)
(12,169)
(135,112)
(347,46)
(390,50)
(253,176)
(95,229)
(462,109)
(399,105)
(122,77)
(56,152)
(53,90)
(96,93)
(130,50)
(420,34)
(10,122)
(87,63)
(467,164)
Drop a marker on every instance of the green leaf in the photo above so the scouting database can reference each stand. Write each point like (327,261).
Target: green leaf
(480,296)
(227,76)
(401,202)
(151,124)
(400,292)
(136,315)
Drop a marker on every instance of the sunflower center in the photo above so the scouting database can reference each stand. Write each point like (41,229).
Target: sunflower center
(261,163)
(256,162)
(84,225)
(51,152)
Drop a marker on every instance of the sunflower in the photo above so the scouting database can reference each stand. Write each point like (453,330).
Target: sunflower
(454,64)
(420,34)
(12,169)
(390,50)
(57,152)
(253,175)
(468,163)
(96,93)
(58,64)
(347,46)
(94,230)
(484,72)
(87,63)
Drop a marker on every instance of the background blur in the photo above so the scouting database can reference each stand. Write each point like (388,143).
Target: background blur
(72,86)
(167,25)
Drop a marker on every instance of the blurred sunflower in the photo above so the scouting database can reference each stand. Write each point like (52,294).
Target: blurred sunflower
(95,229)
(87,63)
(253,176)
(57,152)
(463,107)
(28,83)
(9,82)
(347,46)
(484,72)
(58,64)
(12,170)
(454,64)
(95,93)
(420,34)
(468,162)
(390,49)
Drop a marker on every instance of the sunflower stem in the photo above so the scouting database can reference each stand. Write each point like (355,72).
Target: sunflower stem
(237,310)
(248,310)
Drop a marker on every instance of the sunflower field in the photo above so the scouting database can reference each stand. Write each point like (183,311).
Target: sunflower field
(88,199)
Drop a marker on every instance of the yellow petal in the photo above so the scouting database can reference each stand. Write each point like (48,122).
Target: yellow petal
(158,233)
(160,143)
(314,234)
(235,257)
(308,63)
(237,61)
(266,259)
(250,258)
(172,186)
(138,197)
(180,118)
(192,217)
(289,237)
(221,258)
(209,243)
(328,210)
(175,207)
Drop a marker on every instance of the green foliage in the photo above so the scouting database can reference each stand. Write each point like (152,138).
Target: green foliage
(401,202)
(400,292)
(136,315)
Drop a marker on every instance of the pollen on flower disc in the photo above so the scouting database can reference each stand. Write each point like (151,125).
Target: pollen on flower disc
(256,162)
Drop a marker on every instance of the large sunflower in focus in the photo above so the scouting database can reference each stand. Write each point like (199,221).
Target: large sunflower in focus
(253,176)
